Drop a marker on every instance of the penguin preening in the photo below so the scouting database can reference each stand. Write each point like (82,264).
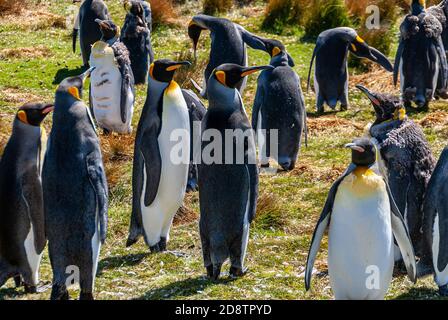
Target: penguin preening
(112,90)
(89,31)
(421,59)
(406,157)
(363,221)
(331,70)
(228,45)
(279,105)
(228,192)
(75,192)
(22,230)
(158,181)
(435,224)
(136,35)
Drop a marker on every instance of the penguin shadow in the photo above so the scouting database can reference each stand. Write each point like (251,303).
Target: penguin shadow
(421,294)
(63,73)
(120,261)
(183,289)
(8,293)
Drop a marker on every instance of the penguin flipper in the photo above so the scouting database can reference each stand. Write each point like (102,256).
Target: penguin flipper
(33,199)
(253,191)
(311,68)
(74,39)
(127,84)
(398,61)
(443,62)
(322,225)
(152,161)
(402,236)
(258,102)
(97,178)
(381,59)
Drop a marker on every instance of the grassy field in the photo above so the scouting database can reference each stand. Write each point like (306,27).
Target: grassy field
(35,55)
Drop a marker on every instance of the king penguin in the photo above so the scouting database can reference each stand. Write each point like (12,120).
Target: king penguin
(89,31)
(228,179)
(228,45)
(331,71)
(22,231)
(363,221)
(75,193)
(279,105)
(112,90)
(161,162)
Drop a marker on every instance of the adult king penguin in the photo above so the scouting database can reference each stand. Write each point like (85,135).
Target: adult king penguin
(228,191)
(406,161)
(331,71)
(363,220)
(75,192)
(89,31)
(159,177)
(112,92)
(22,233)
(279,105)
(228,45)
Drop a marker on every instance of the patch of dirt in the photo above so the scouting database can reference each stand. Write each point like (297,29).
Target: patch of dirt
(436,118)
(17,96)
(332,123)
(185,214)
(317,174)
(376,80)
(27,52)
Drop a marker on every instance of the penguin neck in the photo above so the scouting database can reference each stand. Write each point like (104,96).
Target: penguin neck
(280,60)
(110,42)
(223,97)
(155,87)
(25,136)
(417,8)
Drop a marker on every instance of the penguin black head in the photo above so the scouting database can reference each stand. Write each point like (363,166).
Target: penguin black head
(194,32)
(418,6)
(108,29)
(133,7)
(229,74)
(34,113)
(275,49)
(74,85)
(163,70)
(363,152)
(387,107)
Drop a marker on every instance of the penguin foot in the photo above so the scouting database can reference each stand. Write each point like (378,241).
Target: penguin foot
(209,271)
(59,292)
(216,272)
(443,290)
(162,244)
(192,186)
(155,248)
(132,240)
(320,111)
(106,132)
(424,269)
(18,281)
(30,289)
(86,296)
(236,272)
(344,107)
(43,287)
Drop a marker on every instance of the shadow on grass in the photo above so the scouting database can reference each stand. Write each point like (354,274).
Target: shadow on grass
(421,294)
(8,293)
(183,288)
(63,73)
(120,261)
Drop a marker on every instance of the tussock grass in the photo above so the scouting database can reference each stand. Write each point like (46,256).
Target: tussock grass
(25,53)
(13,7)
(280,13)
(163,12)
(269,213)
(213,7)
(195,71)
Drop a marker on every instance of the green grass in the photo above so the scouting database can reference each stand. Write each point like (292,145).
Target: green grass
(279,239)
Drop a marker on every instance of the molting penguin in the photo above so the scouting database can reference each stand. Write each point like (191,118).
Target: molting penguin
(89,30)
(331,71)
(279,105)
(228,182)
(421,58)
(228,45)
(407,159)
(22,230)
(363,220)
(134,7)
(136,35)
(435,225)
(75,192)
(158,179)
(112,92)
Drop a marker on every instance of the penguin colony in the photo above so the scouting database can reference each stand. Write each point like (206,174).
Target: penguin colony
(388,206)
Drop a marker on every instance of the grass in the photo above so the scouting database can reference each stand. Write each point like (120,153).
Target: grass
(289,203)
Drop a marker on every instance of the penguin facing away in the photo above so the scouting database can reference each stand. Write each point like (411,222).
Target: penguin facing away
(363,221)
(407,161)
(112,90)
(159,181)
(228,192)
(228,45)
(22,231)
(89,30)
(75,192)
(331,71)
(435,230)
(279,105)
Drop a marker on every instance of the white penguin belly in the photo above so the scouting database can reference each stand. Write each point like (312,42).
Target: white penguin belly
(32,256)
(157,217)
(441,276)
(106,99)
(360,248)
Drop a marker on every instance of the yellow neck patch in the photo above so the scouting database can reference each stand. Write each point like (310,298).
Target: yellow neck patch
(221,76)
(151,70)
(363,182)
(276,51)
(422,3)
(400,114)
(74,92)
(22,116)
(359,39)
(172,87)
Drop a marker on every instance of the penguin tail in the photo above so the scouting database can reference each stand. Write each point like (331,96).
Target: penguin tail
(309,71)
(74,38)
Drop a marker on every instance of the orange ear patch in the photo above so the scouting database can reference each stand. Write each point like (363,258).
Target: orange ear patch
(276,51)
(221,76)
(151,69)
(74,92)
(172,68)
(22,116)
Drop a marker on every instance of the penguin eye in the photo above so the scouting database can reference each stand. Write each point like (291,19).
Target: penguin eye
(22,116)
(221,76)
(74,92)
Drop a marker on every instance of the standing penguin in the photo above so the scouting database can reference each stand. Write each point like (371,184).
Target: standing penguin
(406,157)
(279,105)
(89,30)
(75,192)
(421,58)
(22,231)
(435,225)
(331,71)
(136,35)
(112,92)
(158,180)
(134,7)
(363,221)
(228,45)
(228,191)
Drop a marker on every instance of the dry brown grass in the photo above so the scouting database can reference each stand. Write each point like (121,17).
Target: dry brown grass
(117,150)
(315,174)
(326,124)
(163,12)
(28,52)
(435,119)
(16,96)
(36,20)
(186,214)
(377,79)
(13,7)
(269,212)
(213,7)
(195,71)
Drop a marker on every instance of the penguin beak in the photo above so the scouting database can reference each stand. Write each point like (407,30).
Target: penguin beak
(47,109)
(372,97)
(103,24)
(251,70)
(86,74)
(178,65)
(355,147)
(194,32)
